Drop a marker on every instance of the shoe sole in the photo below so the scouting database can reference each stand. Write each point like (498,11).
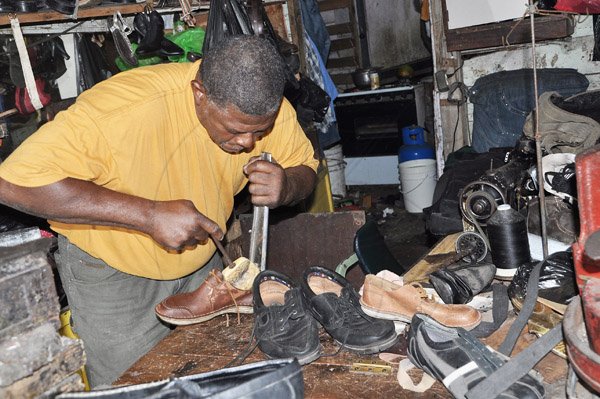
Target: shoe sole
(396,317)
(373,348)
(306,359)
(195,320)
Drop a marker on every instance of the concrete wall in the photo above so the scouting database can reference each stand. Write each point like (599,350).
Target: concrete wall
(393,32)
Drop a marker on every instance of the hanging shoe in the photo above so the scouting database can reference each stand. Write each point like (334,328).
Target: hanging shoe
(150,26)
(386,300)
(283,325)
(119,31)
(335,304)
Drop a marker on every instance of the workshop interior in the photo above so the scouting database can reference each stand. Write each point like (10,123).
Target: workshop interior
(449,249)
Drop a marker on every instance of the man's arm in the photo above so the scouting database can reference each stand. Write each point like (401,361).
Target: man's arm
(173,224)
(273,186)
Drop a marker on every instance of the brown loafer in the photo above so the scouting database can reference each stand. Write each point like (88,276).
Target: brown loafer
(214,297)
(386,300)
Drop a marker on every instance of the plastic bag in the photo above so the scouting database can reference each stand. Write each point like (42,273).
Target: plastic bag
(557,279)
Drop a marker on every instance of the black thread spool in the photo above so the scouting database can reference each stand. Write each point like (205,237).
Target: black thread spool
(507,233)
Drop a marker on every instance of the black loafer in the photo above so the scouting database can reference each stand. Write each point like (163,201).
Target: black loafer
(335,304)
(460,361)
(457,284)
(283,326)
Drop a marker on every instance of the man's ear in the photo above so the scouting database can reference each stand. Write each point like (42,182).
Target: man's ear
(199,91)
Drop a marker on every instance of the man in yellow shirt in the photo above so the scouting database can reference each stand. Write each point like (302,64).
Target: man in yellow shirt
(137,174)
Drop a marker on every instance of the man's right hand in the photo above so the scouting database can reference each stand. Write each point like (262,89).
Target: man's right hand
(177,225)
(173,224)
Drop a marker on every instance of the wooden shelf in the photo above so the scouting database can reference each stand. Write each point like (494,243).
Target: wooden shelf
(83,13)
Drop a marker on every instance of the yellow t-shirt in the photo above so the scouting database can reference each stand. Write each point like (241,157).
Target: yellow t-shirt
(137,133)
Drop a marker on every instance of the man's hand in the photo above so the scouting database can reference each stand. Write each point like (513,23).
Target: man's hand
(173,224)
(178,225)
(271,185)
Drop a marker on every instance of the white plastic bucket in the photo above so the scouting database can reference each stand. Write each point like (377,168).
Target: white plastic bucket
(417,179)
(336,166)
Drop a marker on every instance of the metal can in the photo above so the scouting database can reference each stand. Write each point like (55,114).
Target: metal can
(374,79)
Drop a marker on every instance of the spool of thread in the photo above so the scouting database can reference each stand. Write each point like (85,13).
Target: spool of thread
(507,233)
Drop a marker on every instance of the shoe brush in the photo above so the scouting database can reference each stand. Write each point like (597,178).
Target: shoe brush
(239,273)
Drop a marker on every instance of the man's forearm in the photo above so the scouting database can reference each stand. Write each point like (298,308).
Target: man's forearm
(78,202)
(300,184)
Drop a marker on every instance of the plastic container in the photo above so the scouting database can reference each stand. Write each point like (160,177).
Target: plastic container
(418,180)
(417,169)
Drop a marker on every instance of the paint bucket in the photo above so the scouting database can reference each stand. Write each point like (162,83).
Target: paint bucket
(417,179)
(336,167)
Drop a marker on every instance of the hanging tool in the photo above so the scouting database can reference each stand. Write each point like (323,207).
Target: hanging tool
(260,229)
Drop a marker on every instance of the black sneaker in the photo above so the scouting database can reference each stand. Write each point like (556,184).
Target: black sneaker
(335,304)
(460,361)
(283,326)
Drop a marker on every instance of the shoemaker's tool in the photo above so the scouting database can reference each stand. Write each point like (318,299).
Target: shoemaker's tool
(260,229)
(221,249)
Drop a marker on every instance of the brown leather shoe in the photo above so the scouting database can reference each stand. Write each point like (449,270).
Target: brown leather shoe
(386,300)
(214,297)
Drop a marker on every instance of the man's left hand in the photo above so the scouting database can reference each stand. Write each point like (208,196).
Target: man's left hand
(268,182)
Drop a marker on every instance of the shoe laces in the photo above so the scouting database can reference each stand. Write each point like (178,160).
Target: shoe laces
(223,282)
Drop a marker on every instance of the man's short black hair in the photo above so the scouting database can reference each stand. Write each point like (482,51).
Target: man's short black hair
(245,71)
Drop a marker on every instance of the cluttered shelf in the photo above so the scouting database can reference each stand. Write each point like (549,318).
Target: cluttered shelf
(92,12)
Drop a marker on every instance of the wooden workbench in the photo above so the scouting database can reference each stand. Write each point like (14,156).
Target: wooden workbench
(212,345)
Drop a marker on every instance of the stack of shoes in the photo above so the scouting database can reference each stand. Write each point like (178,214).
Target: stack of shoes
(66,7)
(386,300)
(221,293)
(286,316)
(458,283)
(460,361)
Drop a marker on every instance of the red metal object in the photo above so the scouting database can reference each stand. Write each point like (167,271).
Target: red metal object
(582,318)
(584,360)
(587,255)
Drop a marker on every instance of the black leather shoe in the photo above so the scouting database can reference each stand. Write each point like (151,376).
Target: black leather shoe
(335,304)
(460,361)
(281,378)
(283,325)
(150,26)
(457,284)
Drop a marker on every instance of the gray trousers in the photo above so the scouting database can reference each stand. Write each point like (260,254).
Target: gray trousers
(113,312)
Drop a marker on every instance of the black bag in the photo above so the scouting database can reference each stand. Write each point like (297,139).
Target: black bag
(47,60)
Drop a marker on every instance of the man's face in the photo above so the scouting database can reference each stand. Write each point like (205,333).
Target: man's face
(228,127)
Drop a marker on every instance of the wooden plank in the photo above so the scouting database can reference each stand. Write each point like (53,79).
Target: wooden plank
(344,62)
(341,44)
(509,32)
(421,270)
(60,368)
(83,13)
(27,292)
(339,29)
(328,5)
(328,377)
(298,242)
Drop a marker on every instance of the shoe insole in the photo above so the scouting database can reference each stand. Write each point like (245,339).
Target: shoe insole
(321,285)
(273,292)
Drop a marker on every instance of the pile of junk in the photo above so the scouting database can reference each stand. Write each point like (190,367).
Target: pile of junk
(541,231)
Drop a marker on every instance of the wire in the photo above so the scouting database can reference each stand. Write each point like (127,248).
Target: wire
(455,126)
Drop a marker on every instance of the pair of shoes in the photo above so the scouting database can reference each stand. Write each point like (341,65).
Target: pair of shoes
(286,316)
(460,361)
(224,292)
(387,300)
(460,282)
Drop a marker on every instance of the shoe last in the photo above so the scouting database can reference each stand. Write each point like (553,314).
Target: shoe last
(335,304)
(283,325)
